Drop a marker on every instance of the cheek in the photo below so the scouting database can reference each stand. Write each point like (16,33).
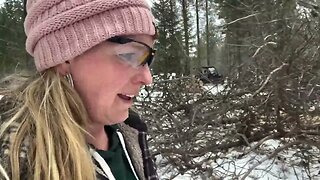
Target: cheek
(98,82)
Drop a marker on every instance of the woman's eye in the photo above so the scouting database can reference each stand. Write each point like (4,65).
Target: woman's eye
(127,56)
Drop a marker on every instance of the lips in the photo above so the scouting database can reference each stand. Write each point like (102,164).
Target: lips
(126,97)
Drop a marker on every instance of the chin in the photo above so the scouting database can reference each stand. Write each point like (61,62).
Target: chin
(119,118)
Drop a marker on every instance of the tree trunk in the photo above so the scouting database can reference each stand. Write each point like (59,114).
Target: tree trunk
(198,30)
(186,36)
(207,32)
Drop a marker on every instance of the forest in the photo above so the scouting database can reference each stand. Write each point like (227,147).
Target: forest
(265,111)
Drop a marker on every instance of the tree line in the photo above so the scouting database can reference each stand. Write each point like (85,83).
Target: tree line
(181,47)
(268,51)
(228,34)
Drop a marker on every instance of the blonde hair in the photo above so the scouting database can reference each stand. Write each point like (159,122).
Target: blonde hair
(53,117)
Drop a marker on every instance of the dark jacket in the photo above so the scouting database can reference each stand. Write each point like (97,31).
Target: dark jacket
(134,131)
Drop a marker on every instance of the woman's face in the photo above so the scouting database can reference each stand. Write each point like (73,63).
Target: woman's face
(106,83)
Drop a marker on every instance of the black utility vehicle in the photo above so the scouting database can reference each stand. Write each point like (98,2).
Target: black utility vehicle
(209,74)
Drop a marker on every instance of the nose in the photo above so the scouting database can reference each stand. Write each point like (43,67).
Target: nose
(144,76)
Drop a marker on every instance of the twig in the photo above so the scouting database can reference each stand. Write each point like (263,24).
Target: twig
(242,18)
(269,77)
(269,157)
(252,148)
(262,46)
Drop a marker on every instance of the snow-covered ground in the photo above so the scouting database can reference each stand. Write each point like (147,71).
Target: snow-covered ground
(214,88)
(283,166)
(254,165)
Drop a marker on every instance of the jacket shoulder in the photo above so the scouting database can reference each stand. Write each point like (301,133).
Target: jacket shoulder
(136,122)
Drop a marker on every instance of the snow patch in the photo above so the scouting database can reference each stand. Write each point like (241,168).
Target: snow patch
(284,166)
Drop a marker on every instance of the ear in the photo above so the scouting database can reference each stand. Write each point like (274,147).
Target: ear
(63,68)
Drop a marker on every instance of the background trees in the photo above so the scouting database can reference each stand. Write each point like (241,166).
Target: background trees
(12,38)
(222,33)
(268,52)
(170,51)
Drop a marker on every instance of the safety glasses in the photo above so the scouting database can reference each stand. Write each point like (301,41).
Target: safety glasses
(133,52)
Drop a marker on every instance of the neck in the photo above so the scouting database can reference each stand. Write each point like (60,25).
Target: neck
(98,137)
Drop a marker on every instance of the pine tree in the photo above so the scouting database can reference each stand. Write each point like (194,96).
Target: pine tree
(12,37)
(170,55)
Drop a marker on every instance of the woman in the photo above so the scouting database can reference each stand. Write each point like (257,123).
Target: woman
(71,120)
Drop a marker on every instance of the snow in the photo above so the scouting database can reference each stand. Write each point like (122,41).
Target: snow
(237,163)
(246,163)
(214,88)
(283,166)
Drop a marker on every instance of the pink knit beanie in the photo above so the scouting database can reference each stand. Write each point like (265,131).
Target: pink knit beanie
(59,30)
